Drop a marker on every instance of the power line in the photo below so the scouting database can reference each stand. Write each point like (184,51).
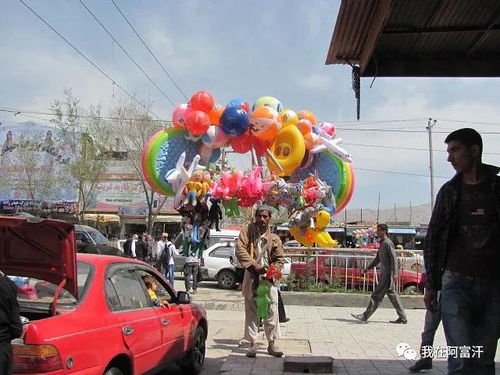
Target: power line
(149,50)
(88,59)
(27,112)
(399,173)
(471,122)
(126,53)
(375,130)
(403,148)
(380,121)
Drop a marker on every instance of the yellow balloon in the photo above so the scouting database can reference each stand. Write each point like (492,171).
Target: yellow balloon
(304,240)
(323,239)
(288,117)
(322,219)
(288,149)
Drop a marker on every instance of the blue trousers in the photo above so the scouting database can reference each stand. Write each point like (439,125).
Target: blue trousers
(470,310)
(169,273)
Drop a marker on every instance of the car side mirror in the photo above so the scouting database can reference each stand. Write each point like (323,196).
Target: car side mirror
(183,297)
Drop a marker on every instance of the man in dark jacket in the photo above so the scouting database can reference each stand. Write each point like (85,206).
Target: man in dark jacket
(462,257)
(10,322)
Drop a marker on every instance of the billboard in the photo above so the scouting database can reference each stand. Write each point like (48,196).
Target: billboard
(34,164)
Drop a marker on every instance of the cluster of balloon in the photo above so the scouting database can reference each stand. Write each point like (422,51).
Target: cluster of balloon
(366,238)
(177,161)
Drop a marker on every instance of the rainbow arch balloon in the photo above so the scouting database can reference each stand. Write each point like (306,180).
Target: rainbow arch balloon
(336,173)
(160,155)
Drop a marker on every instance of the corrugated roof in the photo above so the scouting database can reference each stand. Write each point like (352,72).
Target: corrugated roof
(418,37)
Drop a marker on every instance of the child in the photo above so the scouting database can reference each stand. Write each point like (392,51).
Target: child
(152,288)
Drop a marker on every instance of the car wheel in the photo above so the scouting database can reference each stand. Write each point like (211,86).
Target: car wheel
(226,279)
(411,289)
(192,363)
(113,371)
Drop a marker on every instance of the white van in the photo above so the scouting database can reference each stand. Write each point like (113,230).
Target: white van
(224,235)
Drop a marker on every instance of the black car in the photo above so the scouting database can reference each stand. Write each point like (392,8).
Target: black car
(90,240)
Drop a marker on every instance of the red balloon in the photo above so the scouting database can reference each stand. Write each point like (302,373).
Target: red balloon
(202,101)
(260,146)
(197,122)
(241,143)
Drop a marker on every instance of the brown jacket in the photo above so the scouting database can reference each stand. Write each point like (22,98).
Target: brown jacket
(247,246)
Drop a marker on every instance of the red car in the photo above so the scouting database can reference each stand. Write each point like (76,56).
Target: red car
(92,314)
(346,267)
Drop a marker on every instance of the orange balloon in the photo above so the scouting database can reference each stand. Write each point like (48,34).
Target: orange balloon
(215,114)
(306,114)
(304,126)
(265,123)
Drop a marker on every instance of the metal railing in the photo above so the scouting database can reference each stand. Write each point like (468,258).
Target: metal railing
(345,269)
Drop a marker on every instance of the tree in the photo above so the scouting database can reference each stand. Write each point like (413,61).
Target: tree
(133,126)
(88,138)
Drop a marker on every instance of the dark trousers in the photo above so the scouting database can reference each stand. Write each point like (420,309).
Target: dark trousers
(281,308)
(6,358)
(191,276)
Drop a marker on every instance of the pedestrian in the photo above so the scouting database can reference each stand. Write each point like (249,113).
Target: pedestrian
(256,249)
(431,324)
(462,256)
(167,251)
(10,322)
(386,256)
(135,247)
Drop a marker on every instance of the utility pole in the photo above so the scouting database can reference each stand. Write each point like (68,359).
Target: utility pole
(378,208)
(430,124)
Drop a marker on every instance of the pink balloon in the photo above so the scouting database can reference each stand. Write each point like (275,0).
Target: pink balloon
(179,115)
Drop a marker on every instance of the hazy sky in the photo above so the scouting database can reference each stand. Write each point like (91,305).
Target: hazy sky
(244,49)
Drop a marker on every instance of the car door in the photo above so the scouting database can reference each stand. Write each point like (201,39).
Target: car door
(138,321)
(174,319)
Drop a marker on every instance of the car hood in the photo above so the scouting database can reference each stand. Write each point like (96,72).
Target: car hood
(38,248)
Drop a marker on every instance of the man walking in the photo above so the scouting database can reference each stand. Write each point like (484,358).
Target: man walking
(462,257)
(386,256)
(256,249)
(10,322)
(166,251)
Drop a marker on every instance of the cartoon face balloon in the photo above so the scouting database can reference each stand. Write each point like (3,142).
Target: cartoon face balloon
(264,123)
(288,150)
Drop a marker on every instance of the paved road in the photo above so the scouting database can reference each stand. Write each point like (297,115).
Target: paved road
(318,330)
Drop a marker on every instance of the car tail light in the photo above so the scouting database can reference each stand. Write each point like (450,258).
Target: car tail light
(35,358)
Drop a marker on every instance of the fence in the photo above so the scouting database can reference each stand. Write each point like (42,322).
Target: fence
(343,267)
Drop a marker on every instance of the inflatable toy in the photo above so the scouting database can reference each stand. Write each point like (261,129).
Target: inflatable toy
(264,123)
(288,117)
(197,122)
(202,101)
(234,121)
(215,114)
(179,115)
(239,104)
(288,149)
(268,101)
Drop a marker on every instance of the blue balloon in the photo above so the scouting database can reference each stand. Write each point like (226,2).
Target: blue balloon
(234,121)
(238,103)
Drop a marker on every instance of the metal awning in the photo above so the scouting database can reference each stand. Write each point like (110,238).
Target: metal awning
(102,218)
(168,219)
(402,231)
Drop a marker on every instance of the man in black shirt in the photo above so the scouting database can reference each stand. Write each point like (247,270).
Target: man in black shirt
(462,257)
(10,322)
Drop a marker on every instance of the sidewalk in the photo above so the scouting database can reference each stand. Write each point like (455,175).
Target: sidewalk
(315,330)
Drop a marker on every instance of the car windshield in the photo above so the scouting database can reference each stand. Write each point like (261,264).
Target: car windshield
(97,236)
(36,291)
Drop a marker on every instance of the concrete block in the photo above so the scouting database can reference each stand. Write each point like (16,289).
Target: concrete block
(309,364)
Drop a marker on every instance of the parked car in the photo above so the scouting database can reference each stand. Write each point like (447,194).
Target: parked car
(92,313)
(90,240)
(215,237)
(346,266)
(219,264)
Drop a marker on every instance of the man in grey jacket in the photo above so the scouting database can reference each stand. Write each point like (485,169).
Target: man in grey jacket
(386,256)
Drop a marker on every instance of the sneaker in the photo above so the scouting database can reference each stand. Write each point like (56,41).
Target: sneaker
(273,350)
(284,320)
(421,364)
(360,317)
(252,351)
(399,321)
